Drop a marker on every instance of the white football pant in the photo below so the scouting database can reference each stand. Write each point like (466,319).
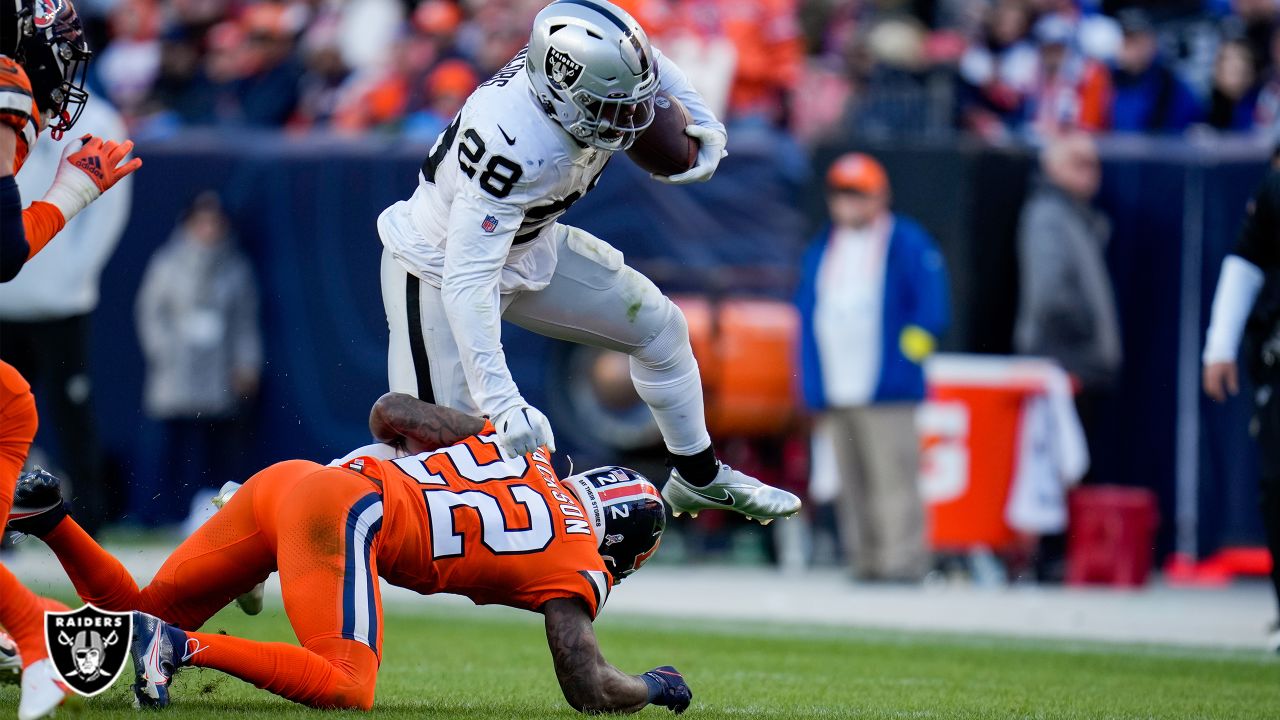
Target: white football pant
(593,298)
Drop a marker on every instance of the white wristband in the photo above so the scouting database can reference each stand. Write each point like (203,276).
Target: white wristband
(71,191)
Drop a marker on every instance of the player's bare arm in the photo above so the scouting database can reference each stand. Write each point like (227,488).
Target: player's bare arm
(406,422)
(590,684)
(8,144)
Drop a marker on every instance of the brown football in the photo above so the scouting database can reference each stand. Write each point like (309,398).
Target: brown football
(663,148)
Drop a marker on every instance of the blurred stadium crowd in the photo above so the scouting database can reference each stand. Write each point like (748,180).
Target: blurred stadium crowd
(1002,70)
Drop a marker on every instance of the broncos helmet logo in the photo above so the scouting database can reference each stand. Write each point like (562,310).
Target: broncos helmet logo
(46,13)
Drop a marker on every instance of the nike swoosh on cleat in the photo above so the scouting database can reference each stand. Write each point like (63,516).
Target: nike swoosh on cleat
(727,500)
(510,140)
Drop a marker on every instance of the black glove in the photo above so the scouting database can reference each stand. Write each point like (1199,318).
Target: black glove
(668,688)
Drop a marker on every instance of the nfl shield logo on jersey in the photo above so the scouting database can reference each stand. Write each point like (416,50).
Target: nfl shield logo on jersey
(562,70)
(490,224)
(88,646)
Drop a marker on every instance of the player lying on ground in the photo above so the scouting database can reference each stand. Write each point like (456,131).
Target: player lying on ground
(479,242)
(42,56)
(457,517)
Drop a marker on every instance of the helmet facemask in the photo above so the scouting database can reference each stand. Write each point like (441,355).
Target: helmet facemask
(55,55)
(591,66)
(612,124)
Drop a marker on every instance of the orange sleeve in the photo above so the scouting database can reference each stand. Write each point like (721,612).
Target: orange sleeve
(42,221)
(590,586)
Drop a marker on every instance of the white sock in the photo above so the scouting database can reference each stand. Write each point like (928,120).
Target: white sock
(666,377)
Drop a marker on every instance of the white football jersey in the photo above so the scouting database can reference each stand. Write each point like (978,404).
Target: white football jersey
(500,175)
(480,223)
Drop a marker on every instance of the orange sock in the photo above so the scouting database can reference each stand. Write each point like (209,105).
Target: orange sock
(330,673)
(22,615)
(98,576)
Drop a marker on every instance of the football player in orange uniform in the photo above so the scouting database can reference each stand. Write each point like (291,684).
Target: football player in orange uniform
(43,60)
(435,508)
(42,63)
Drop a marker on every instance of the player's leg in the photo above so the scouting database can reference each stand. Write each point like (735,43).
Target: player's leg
(225,557)
(1267,422)
(22,611)
(896,507)
(326,532)
(851,500)
(422,356)
(594,298)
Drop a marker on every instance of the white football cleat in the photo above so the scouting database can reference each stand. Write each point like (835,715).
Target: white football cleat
(42,691)
(731,490)
(225,492)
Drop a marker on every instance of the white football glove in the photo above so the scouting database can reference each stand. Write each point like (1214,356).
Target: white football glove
(711,144)
(522,429)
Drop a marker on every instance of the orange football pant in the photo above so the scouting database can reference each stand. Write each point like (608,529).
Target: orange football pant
(21,611)
(319,528)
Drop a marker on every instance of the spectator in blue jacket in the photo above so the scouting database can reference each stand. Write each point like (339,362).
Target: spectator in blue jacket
(1149,97)
(873,299)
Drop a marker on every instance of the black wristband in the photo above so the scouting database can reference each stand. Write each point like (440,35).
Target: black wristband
(655,687)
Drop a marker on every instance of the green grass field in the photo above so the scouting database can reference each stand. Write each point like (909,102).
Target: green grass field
(479,663)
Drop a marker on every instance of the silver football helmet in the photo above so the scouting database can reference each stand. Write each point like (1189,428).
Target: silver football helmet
(592,68)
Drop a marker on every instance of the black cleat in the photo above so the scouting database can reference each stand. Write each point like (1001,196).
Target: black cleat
(38,506)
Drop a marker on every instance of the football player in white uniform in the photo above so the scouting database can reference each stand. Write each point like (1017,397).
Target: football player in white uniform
(479,241)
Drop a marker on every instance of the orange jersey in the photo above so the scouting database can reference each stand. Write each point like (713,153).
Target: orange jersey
(41,220)
(465,520)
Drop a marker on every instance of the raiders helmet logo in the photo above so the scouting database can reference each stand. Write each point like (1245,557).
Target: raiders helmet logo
(562,70)
(88,646)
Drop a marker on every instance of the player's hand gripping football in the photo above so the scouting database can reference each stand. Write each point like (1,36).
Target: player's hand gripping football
(668,688)
(711,144)
(522,429)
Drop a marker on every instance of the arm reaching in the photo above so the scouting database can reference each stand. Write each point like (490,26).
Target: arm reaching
(1242,276)
(407,422)
(590,684)
(483,222)
(89,167)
